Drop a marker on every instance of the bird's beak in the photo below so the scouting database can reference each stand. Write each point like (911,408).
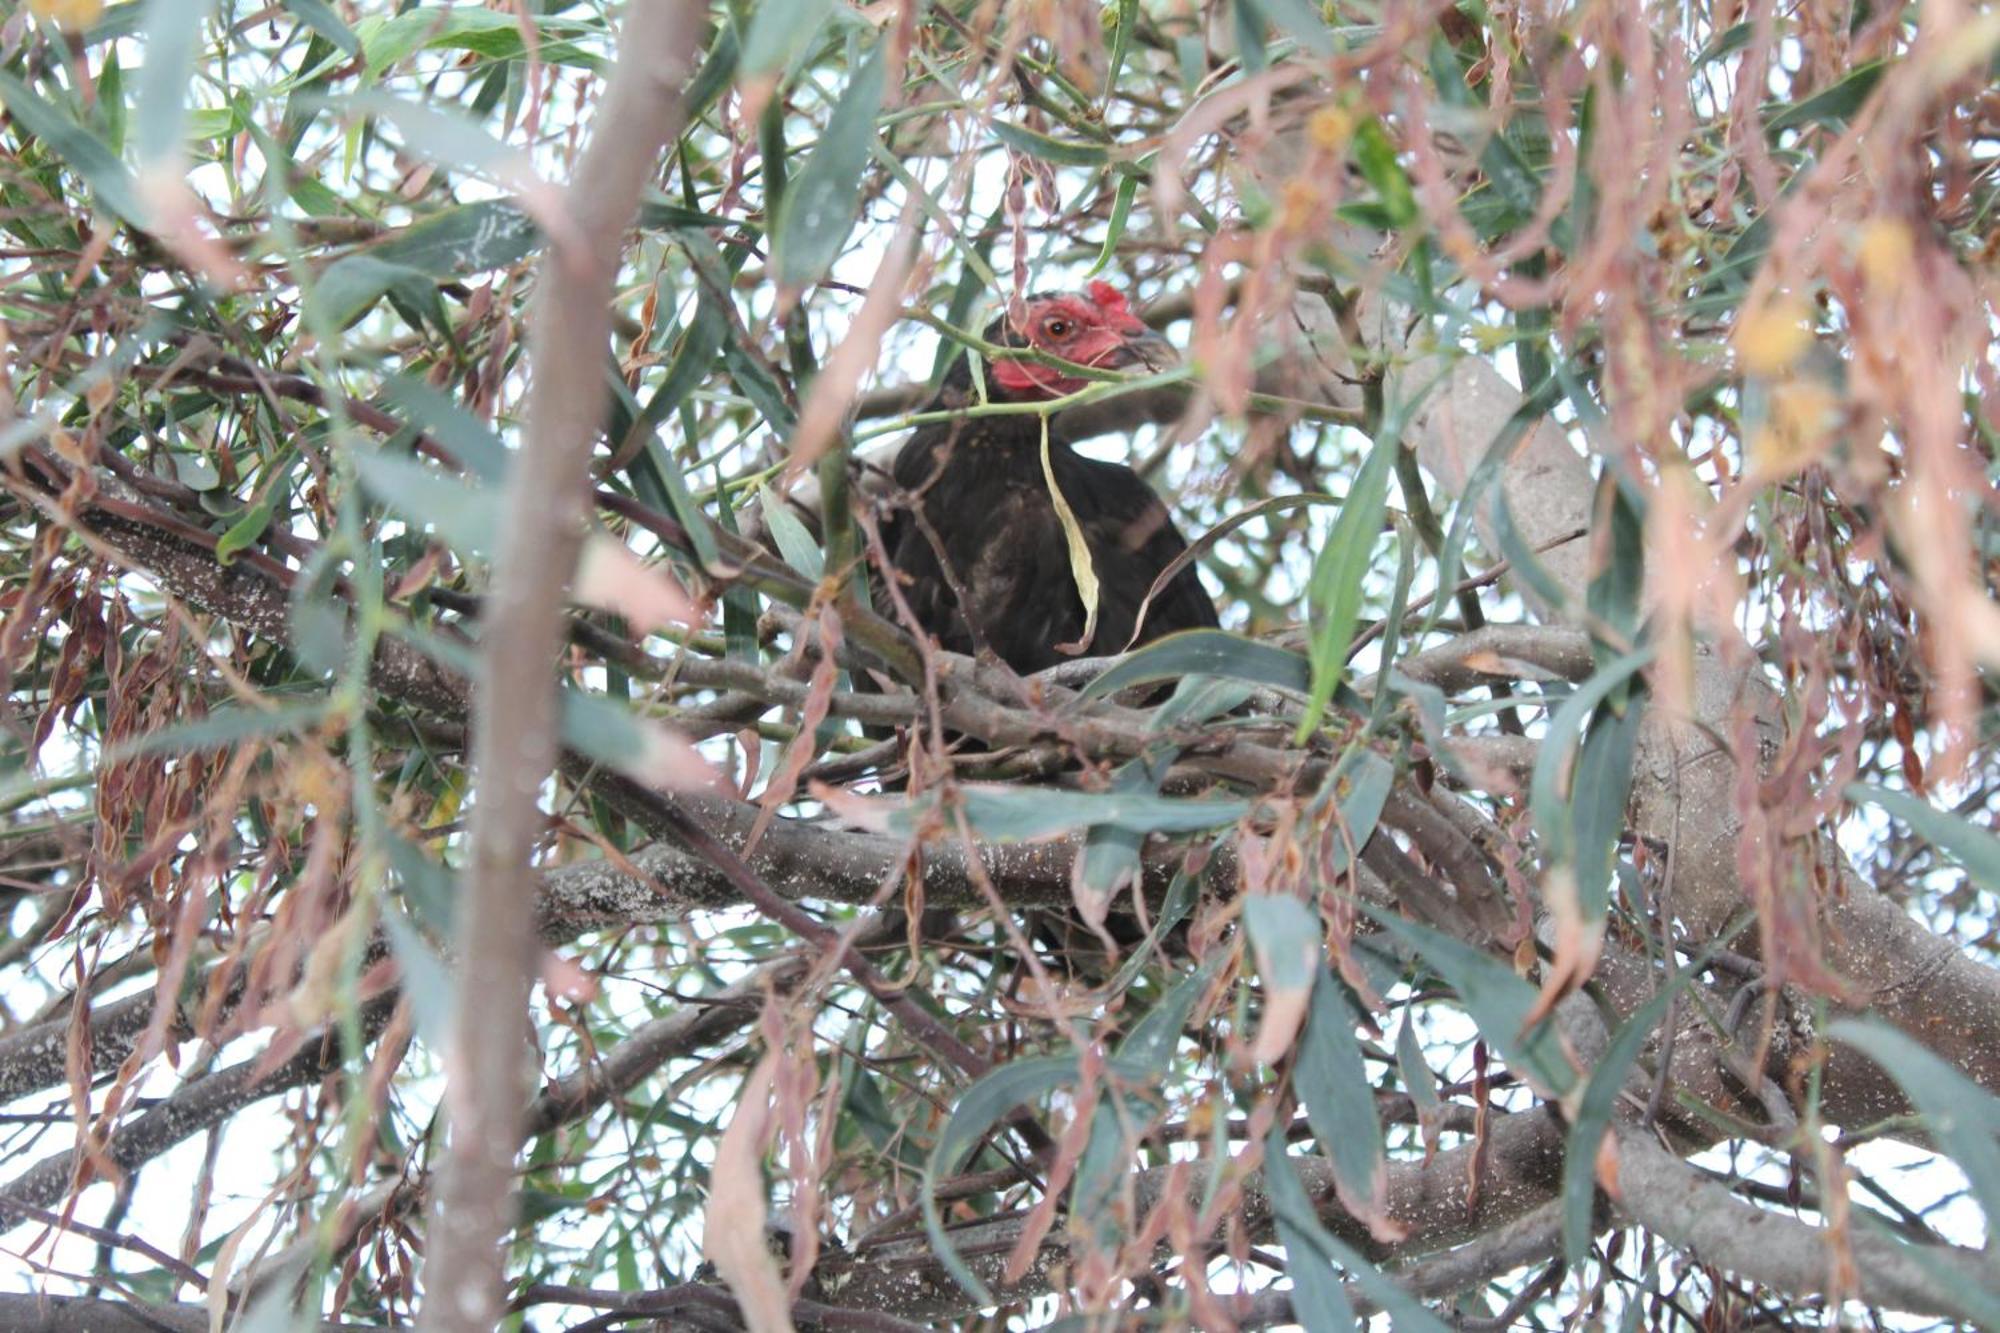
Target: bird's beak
(1149,349)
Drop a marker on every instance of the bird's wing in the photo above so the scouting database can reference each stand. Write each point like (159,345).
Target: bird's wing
(990,522)
(1132,538)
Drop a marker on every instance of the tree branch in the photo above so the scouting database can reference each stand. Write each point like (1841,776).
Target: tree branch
(1660,1192)
(515,735)
(77,1314)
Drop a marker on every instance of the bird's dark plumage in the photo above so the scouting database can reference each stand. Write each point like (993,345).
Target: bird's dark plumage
(979,548)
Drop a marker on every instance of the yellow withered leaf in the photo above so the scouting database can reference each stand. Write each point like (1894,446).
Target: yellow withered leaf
(69,15)
(1773,336)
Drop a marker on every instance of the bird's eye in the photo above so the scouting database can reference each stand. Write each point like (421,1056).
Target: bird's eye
(1056,328)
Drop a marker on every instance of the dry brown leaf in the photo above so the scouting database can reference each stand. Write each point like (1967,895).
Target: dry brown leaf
(1578,943)
(565,979)
(611,578)
(733,1225)
(1284,1008)
(869,814)
(670,762)
(804,745)
(174,218)
(1607,1162)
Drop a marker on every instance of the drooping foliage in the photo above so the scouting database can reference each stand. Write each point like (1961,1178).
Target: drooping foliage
(1576,846)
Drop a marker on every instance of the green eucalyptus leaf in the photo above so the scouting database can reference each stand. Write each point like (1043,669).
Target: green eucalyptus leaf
(795,542)
(223,728)
(1833,105)
(350,287)
(1498,1001)
(173,36)
(1205,652)
(461,240)
(779,31)
(320,17)
(466,517)
(980,1108)
(1062,152)
(446,137)
(317,616)
(436,414)
(430,887)
(1581,832)
(822,201)
(1114,230)
(1108,1157)
(1961,1117)
(1340,1103)
(1319,1297)
(1376,157)
(1300,19)
(1335,590)
(426,982)
(1960,839)
(86,154)
(197,472)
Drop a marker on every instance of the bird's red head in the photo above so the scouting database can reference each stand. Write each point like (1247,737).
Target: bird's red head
(1091,328)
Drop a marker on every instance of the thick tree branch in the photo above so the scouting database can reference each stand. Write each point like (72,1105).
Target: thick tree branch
(1660,1192)
(197,1105)
(515,736)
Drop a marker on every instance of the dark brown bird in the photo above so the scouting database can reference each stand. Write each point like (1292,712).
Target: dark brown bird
(989,562)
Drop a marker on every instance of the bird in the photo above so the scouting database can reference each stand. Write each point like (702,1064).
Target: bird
(978,546)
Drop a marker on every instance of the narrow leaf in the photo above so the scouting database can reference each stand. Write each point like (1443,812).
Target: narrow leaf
(1498,1001)
(979,1109)
(461,240)
(1963,1117)
(451,139)
(437,415)
(1300,1230)
(1062,152)
(223,728)
(426,981)
(1107,1158)
(822,201)
(1301,19)
(1592,1117)
(1334,592)
(1114,231)
(1285,936)
(349,287)
(1082,568)
(646,751)
(779,30)
(1579,835)
(86,154)
(795,542)
(466,517)
(319,16)
(1205,652)
(1376,157)
(174,30)
(1340,1104)
(1319,1298)
(1965,842)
